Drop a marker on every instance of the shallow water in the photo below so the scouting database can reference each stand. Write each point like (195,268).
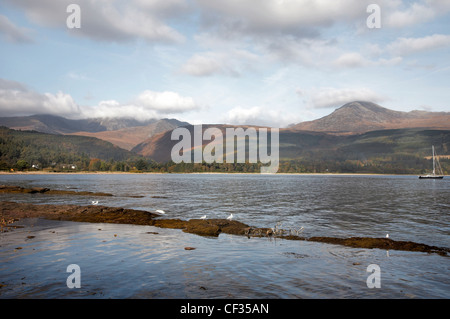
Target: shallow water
(139,264)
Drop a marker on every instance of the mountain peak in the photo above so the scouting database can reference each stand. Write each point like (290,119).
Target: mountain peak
(363,105)
(364,116)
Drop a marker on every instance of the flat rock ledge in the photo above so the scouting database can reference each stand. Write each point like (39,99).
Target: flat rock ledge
(11,212)
(43,190)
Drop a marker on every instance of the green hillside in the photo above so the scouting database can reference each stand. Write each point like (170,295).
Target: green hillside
(400,151)
(23,149)
(414,142)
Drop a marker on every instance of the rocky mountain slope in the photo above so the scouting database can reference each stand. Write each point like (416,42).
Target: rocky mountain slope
(359,117)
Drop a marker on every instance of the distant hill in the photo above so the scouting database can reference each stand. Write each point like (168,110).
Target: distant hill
(45,149)
(123,132)
(159,146)
(52,124)
(359,117)
(373,144)
(129,137)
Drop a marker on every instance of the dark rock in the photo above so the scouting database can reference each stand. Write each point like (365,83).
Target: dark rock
(208,227)
(43,190)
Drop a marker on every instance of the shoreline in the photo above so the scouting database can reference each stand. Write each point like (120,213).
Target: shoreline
(195,173)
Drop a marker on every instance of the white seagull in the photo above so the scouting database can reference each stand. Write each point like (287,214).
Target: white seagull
(203,217)
(95,202)
(230,217)
(159,211)
(387,235)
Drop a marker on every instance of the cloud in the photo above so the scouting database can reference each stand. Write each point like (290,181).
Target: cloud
(13,33)
(407,46)
(147,105)
(274,31)
(328,97)
(416,13)
(392,53)
(259,116)
(351,60)
(17,100)
(356,60)
(225,62)
(115,21)
(293,31)
(289,17)
(203,65)
(400,16)
(166,102)
(78,76)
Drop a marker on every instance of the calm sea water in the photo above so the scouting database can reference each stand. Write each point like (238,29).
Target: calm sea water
(128,261)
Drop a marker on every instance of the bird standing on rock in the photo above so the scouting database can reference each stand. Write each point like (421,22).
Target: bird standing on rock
(230,217)
(203,217)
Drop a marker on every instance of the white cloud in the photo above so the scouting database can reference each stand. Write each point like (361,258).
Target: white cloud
(17,99)
(114,109)
(147,105)
(224,62)
(351,60)
(356,59)
(328,97)
(13,33)
(203,65)
(240,115)
(166,102)
(259,116)
(400,16)
(406,46)
(61,103)
(416,13)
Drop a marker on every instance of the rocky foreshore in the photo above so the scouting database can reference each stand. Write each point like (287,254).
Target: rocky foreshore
(12,212)
(44,190)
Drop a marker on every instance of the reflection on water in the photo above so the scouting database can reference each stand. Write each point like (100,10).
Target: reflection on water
(136,263)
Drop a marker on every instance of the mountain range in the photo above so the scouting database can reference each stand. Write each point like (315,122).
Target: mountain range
(128,137)
(352,120)
(123,132)
(356,131)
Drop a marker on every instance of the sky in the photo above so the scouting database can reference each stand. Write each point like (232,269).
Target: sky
(255,62)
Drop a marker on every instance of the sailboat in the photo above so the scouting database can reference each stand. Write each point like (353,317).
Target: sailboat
(437,166)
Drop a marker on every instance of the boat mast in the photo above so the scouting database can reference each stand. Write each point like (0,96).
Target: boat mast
(434,172)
